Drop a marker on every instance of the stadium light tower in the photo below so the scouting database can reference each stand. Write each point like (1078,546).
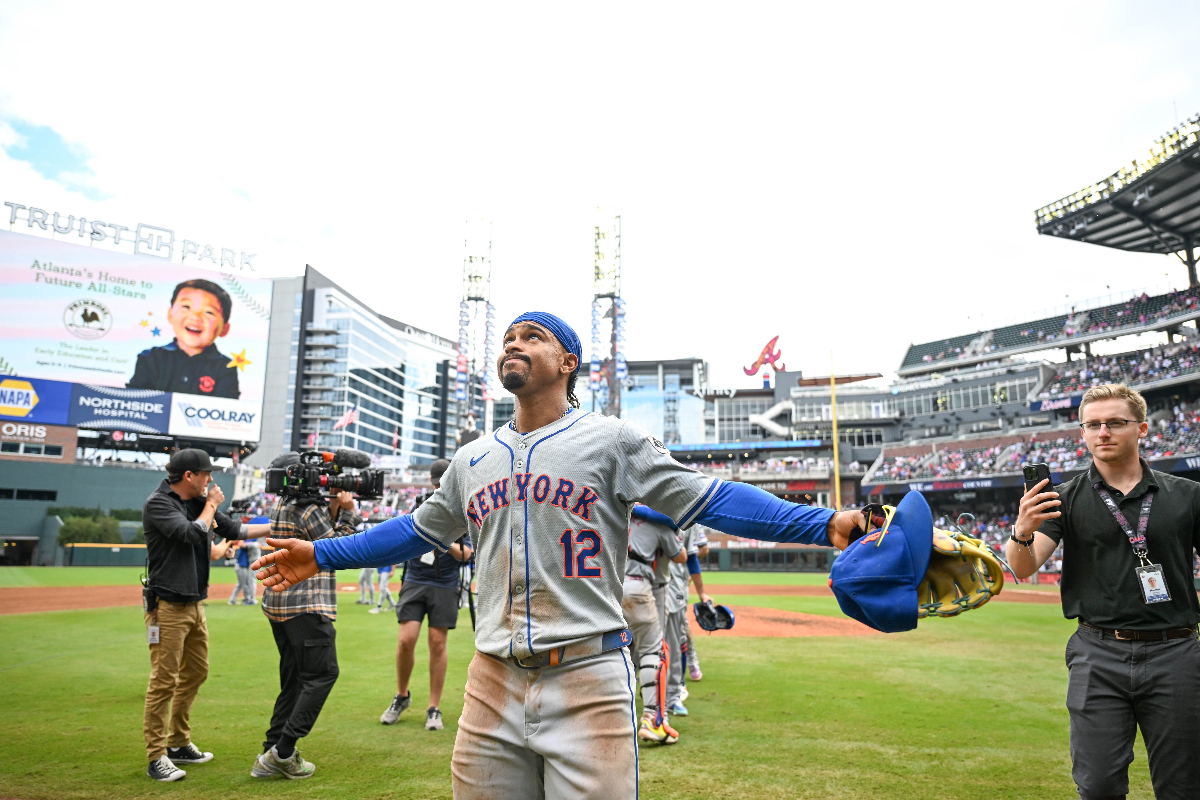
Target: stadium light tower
(476,324)
(605,376)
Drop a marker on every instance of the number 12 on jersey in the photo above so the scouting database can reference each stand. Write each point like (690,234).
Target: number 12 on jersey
(575,563)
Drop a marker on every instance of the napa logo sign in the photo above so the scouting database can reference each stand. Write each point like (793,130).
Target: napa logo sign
(17,398)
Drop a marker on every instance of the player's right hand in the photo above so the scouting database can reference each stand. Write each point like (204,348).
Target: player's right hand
(293,561)
(1036,507)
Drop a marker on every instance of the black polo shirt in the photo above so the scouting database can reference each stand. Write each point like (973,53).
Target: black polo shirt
(1099,582)
(169,369)
(178,550)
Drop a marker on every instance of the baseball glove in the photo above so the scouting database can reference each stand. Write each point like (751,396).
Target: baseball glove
(712,617)
(963,573)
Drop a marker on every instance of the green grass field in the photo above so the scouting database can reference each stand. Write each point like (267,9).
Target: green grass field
(966,707)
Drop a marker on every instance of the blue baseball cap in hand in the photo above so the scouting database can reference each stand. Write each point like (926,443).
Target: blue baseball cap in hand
(875,579)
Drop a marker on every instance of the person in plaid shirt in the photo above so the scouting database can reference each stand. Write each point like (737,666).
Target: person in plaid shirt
(302,621)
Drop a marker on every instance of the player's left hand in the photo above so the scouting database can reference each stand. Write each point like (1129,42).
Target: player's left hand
(294,561)
(842,525)
(705,598)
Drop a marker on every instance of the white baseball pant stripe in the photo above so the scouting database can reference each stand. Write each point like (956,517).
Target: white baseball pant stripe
(560,732)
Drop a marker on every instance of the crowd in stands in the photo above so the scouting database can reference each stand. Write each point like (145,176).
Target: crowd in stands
(1135,312)
(1142,366)
(993,525)
(1173,432)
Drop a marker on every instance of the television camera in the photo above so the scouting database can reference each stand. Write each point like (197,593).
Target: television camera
(314,473)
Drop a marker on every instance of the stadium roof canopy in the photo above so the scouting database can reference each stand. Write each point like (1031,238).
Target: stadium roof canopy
(1137,315)
(1148,206)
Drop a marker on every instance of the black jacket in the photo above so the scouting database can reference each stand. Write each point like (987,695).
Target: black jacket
(178,548)
(169,369)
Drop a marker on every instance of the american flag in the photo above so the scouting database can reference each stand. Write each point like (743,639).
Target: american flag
(395,439)
(312,439)
(347,419)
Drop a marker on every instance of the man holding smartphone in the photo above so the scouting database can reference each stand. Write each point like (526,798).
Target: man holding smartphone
(1128,535)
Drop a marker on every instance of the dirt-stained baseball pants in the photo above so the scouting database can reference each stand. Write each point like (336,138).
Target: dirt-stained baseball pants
(178,667)
(676,636)
(645,623)
(560,732)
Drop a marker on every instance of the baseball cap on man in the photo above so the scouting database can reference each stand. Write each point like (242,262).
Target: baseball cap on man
(437,469)
(189,460)
(875,579)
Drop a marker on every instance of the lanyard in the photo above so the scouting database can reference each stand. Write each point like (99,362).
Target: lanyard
(1138,540)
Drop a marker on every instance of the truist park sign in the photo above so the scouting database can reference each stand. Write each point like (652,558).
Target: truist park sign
(147,240)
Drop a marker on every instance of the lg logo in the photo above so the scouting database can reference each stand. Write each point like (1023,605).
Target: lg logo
(22,429)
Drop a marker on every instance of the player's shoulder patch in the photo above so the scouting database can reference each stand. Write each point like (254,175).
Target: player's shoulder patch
(658,445)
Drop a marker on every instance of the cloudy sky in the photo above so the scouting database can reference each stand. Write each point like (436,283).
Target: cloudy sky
(850,177)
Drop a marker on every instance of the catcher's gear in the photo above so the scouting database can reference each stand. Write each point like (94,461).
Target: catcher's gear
(963,573)
(712,617)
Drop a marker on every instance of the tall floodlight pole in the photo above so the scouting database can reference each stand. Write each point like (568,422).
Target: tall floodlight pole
(606,375)
(476,324)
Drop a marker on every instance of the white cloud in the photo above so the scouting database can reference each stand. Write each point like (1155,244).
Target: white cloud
(850,177)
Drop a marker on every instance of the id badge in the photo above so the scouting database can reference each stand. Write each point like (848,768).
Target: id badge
(1154,587)
(151,634)
(428,558)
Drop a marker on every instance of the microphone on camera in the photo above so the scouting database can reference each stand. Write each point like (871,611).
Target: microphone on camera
(350,458)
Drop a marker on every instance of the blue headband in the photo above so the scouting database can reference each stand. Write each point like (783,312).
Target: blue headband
(562,331)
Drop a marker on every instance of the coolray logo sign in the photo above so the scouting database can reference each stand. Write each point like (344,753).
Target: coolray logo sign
(108,408)
(147,240)
(195,416)
(17,398)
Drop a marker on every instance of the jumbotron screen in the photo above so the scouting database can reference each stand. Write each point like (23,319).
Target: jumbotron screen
(108,341)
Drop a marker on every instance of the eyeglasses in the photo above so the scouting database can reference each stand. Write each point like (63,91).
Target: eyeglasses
(1113,425)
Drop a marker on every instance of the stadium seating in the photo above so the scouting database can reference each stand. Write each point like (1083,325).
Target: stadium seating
(1134,368)
(1174,436)
(1137,311)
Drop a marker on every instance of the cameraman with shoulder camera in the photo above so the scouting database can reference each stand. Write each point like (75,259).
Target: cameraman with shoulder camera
(302,621)
(181,525)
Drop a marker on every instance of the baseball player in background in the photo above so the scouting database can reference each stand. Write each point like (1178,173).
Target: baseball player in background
(676,631)
(691,658)
(653,545)
(550,709)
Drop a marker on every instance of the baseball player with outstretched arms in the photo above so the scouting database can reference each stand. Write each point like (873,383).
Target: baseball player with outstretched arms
(550,708)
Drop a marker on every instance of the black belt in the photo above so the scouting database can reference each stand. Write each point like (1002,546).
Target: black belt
(1144,636)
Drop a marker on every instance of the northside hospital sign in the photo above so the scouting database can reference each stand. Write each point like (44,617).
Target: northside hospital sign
(147,240)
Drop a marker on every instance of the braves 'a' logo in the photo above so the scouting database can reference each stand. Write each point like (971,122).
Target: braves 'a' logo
(769,355)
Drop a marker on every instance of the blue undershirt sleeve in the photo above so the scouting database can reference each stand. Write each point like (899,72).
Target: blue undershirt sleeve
(648,514)
(693,563)
(391,542)
(740,509)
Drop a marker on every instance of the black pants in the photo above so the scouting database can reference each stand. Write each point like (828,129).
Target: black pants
(1116,687)
(308,669)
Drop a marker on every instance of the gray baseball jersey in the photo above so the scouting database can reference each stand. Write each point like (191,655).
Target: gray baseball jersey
(549,512)
(653,542)
(677,592)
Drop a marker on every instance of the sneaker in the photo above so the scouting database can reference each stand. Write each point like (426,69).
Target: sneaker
(694,672)
(250,603)
(433,719)
(163,770)
(270,764)
(683,693)
(233,602)
(661,734)
(678,709)
(374,610)
(188,754)
(399,703)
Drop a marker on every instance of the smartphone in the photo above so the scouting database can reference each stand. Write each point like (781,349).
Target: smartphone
(1035,474)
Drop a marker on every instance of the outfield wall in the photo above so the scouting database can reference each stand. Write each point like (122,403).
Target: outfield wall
(73,485)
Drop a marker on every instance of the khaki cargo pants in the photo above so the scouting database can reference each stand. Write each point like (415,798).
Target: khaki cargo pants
(178,667)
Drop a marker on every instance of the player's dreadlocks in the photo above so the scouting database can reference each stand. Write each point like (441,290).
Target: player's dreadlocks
(571,398)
